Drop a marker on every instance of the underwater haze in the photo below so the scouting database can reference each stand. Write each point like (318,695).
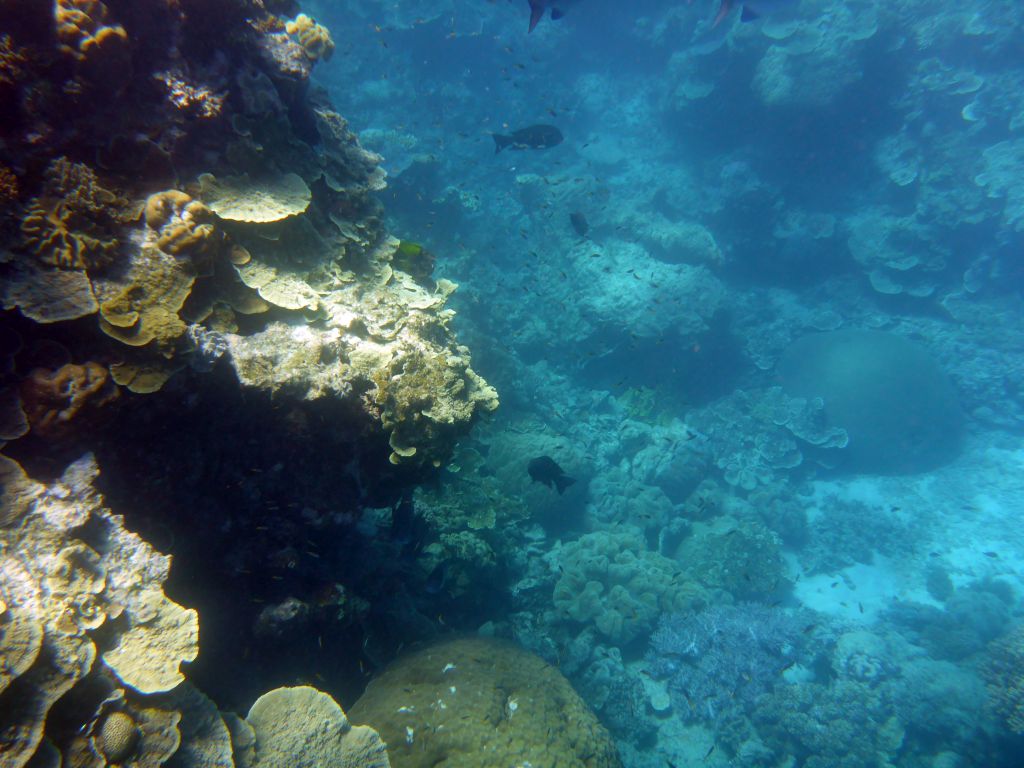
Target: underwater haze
(541,382)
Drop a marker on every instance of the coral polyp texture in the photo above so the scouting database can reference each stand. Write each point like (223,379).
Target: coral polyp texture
(212,189)
(480,701)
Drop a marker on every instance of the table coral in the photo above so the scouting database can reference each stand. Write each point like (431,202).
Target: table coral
(477,701)
(288,722)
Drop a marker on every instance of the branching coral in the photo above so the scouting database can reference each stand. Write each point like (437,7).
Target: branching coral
(58,402)
(723,657)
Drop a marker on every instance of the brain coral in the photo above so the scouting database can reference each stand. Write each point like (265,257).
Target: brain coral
(482,702)
(895,402)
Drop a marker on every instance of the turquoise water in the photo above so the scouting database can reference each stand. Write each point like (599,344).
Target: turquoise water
(746,279)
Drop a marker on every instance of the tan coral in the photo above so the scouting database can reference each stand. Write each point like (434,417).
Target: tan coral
(59,401)
(256,200)
(314,38)
(68,588)
(182,226)
(100,48)
(302,721)
(479,701)
(8,186)
(142,305)
(73,224)
(126,731)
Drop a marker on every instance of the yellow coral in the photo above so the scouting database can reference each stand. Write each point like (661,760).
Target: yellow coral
(183,226)
(8,186)
(100,48)
(314,38)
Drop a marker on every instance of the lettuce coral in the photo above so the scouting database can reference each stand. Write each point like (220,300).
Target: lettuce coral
(59,401)
(314,38)
(56,590)
(99,47)
(73,224)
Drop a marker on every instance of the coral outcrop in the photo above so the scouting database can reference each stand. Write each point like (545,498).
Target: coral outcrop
(204,190)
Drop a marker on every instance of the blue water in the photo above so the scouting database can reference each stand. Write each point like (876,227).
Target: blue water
(835,165)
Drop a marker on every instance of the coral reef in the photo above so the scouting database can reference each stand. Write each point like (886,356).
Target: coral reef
(724,657)
(462,699)
(69,569)
(195,191)
(288,722)
(1004,676)
(612,580)
(62,400)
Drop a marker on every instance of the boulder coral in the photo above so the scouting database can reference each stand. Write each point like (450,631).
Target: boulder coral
(480,701)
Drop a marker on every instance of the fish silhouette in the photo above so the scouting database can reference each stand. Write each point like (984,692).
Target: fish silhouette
(545,470)
(531,137)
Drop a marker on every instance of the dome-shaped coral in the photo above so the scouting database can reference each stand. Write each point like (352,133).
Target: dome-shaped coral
(482,702)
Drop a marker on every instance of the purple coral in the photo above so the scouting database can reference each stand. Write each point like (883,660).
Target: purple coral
(724,656)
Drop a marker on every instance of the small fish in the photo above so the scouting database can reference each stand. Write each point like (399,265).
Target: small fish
(436,579)
(545,470)
(579,223)
(990,553)
(860,607)
(709,752)
(531,137)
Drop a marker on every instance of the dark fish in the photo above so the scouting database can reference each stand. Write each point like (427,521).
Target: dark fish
(708,753)
(545,470)
(531,137)
(579,223)
(990,554)
(558,8)
(403,521)
(436,579)
(752,10)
